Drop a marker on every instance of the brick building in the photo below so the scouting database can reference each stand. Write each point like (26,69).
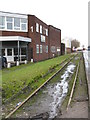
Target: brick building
(67,43)
(25,37)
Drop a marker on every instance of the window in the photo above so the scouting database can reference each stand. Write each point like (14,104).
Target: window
(37,48)
(41,29)
(23,51)
(9,52)
(46,49)
(53,49)
(37,27)
(40,48)
(31,28)
(42,38)
(23,24)
(13,23)
(3,52)
(15,51)
(17,23)
(46,32)
(2,22)
(58,49)
(9,21)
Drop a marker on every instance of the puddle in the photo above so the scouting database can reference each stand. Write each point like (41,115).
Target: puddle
(51,97)
(59,91)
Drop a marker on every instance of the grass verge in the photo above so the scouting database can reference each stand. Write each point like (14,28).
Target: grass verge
(17,78)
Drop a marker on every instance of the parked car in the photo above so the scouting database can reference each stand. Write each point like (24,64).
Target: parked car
(4,62)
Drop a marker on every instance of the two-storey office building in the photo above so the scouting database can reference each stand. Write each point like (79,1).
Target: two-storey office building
(25,37)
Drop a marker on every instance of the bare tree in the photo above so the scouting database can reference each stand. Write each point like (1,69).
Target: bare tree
(75,43)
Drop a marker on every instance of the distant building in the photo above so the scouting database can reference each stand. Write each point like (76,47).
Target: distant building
(67,43)
(26,37)
(62,48)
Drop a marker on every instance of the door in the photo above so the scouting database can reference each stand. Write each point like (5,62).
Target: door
(10,55)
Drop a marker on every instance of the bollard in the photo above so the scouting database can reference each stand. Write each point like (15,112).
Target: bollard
(17,63)
(31,60)
(8,65)
(25,61)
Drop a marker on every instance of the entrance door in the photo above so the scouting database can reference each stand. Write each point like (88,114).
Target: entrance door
(10,54)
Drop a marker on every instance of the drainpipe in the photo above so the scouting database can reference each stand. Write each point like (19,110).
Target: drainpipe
(18,50)
(18,54)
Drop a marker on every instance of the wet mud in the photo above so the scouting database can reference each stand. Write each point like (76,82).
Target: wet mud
(47,102)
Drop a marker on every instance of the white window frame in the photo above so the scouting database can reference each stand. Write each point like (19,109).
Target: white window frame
(46,48)
(3,26)
(37,48)
(40,48)
(12,22)
(43,38)
(46,32)
(9,22)
(16,27)
(41,29)
(31,28)
(23,23)
(37,27)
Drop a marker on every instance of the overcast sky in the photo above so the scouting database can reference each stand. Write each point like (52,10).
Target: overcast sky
(71,16)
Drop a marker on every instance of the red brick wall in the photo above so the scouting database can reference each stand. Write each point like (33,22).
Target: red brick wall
(54,40)
(36,38)
(14,33)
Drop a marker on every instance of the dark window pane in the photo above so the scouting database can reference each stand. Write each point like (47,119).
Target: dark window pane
(23,51)
(3,52)
(9,52)
(23,58)
(15,51)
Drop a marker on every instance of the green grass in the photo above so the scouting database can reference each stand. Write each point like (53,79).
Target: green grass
(16,78)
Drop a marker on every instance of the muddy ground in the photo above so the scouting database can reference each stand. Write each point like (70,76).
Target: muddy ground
(48,100)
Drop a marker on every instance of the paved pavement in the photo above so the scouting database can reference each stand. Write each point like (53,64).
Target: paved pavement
(87,66)
(79,109)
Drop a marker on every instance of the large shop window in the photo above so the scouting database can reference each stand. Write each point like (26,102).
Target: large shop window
(9,23)
(2,22)
(9,52)
(37,48)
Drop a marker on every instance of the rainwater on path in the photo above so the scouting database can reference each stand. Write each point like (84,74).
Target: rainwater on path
(49,99)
